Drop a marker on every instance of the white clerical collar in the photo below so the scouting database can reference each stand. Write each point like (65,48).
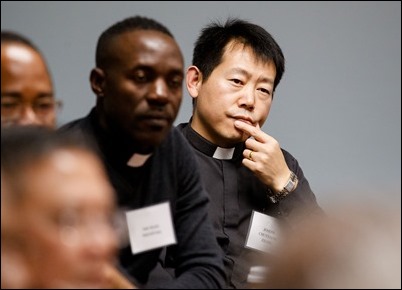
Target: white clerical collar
(224,153)
(138,160)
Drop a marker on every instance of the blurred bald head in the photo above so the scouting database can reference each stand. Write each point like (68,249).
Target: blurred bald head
(27,94)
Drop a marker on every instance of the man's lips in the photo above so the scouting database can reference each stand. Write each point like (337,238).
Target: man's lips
(245,119)
(156,115)
(156,119)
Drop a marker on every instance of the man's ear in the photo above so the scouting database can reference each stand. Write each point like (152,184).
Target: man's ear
(193,81)
(97,80)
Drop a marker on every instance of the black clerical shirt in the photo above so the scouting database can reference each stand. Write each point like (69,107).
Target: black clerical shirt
(170,174)
(235,192)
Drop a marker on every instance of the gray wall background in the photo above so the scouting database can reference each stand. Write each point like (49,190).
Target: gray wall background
(337,108)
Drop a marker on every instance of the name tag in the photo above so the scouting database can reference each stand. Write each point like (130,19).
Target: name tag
(150,228)
(263,233)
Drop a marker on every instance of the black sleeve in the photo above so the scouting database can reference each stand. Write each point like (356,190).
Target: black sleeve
(302,201)
(196,258)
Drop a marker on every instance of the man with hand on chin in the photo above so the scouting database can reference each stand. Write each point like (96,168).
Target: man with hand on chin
(252,182)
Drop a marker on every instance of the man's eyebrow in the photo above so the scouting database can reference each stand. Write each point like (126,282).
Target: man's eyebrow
(247,74)
(17,95)
(11,94)
(240,71)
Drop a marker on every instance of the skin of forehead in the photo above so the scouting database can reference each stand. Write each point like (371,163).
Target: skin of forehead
(69,173)
(20,62)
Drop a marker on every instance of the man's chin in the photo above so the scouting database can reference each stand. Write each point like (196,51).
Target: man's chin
(235,139)
(240,137)
(147,143)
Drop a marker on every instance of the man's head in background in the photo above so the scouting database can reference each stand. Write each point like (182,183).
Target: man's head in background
(27,93)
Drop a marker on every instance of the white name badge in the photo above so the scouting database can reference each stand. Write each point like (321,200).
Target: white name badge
(263,233)
(150,228)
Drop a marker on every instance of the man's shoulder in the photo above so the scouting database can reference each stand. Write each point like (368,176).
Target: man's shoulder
(174,141)
(177,143)
(80,127)
(175,134)
(80,124)
(75,124)
(181,126)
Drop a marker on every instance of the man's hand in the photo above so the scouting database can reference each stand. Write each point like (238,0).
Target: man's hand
(263,156)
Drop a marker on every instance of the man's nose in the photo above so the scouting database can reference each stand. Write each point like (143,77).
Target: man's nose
(101,242)
(159,91)
(247,98)
(28,116)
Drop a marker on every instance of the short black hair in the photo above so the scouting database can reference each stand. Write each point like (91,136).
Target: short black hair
(211,43)
(129,24)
